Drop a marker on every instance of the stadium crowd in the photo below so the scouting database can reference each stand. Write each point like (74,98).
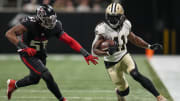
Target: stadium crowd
(68,5)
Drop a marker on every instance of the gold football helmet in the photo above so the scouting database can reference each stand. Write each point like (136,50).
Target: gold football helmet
(115,14)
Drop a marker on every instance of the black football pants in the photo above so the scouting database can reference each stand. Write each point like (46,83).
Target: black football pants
(38,70)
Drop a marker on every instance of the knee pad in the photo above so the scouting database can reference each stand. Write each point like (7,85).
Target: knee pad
(123,93)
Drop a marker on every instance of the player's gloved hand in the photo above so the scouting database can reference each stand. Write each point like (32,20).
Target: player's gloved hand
(29,51)
(113,49)
(24,50)
(155,46)
(88,57)
(92,59)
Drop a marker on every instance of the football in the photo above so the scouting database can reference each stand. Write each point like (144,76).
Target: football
(106,44)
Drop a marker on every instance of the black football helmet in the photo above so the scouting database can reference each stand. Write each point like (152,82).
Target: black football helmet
(115,15)
(47,16)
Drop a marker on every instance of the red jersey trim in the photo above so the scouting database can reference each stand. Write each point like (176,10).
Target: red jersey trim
(30,66)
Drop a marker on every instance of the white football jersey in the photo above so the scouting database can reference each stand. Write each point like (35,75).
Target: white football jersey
(119,36)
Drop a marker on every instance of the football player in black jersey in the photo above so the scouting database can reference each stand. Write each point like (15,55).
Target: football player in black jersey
(34,33)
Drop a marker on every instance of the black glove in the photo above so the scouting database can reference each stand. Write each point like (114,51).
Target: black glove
(156,46)
(113,49)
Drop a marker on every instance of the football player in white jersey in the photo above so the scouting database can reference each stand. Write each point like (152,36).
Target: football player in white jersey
(117,59)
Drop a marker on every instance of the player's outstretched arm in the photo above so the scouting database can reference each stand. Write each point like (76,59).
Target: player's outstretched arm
(136,40)
(77,47)
(12,34)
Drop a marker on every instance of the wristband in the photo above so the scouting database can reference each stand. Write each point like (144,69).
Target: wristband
(21,45)
(84,52)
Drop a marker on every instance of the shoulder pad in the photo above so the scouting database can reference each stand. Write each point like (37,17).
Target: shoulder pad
(100,28)
(58,22)
(58,28)
(29,19)
(127,24)
(59,25)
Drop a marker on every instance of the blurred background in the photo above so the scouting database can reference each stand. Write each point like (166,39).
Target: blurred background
(157,21)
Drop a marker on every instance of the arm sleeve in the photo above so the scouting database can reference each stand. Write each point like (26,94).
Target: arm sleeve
(70,41)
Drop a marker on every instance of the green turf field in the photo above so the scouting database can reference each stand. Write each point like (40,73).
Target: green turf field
(77,80)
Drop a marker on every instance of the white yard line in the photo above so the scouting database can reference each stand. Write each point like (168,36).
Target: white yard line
(54,57)
(168,69)
(75,97)
(68,91)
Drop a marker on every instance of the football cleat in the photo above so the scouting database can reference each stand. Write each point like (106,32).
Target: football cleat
(65,99)
(120,98)
(10,88)
(161,98)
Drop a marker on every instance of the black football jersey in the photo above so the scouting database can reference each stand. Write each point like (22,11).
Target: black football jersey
(37,36)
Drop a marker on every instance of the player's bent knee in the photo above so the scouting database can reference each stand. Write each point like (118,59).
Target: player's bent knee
(136,75)
(123,93)
(121,85)
(34,80)
(47,76)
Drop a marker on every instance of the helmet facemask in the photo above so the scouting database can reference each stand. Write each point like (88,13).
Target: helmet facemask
(48,22)
(113,20)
